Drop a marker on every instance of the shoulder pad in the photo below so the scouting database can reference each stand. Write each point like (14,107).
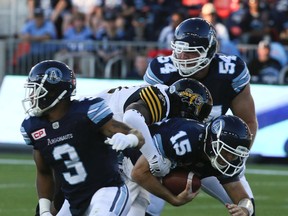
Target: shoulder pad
(156,101)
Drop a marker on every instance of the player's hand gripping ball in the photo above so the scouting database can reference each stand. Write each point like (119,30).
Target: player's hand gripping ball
(176,181)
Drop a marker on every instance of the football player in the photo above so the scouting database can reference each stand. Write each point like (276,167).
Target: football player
(68,139)
(217,149)
(139,107)
(227,78)
(145,105)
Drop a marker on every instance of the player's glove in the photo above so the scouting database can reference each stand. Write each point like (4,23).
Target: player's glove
(159,166)
(121,141)
(127,167)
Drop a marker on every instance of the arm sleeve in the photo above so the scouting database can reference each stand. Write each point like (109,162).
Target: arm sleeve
(135,120)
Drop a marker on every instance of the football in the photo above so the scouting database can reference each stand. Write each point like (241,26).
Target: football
(176,181)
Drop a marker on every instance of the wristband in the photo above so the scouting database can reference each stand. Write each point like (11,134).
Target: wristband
(133,140)
(44,205)
(247,204)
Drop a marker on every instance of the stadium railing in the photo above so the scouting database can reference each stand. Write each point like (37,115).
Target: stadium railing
(82,56)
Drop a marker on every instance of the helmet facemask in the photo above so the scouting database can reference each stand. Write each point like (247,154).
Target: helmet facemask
(37,100)
(188,67)
(226,159)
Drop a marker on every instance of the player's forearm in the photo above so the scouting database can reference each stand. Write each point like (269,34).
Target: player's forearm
(45,186)
(253,126)
(142,175)
(136,120)
(236,191)
(153,185)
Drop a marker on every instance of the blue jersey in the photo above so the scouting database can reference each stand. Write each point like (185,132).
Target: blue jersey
(182,141)
(75,149)
(227,77)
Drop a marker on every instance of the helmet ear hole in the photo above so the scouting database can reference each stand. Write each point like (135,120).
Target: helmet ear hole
(190,99)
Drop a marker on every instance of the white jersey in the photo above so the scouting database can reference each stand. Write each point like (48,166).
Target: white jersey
(158,103)
(155,97)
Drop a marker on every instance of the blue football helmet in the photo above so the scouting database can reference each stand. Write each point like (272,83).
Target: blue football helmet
(197,37)
(48,83)
(227,144)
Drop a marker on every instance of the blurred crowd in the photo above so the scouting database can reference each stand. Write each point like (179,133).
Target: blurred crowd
(236,22)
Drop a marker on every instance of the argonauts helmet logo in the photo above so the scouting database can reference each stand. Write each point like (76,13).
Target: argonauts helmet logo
(217,125)
(54,75)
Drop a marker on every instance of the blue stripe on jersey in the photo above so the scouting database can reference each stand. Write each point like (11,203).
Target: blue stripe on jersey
(26,138)
(120,200)
(98,111)
(241,81)
(158,144)
(150,78)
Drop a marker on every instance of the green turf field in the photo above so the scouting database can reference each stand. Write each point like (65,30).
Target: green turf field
(269,183)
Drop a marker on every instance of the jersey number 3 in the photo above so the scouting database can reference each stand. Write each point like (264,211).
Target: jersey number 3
(72,163)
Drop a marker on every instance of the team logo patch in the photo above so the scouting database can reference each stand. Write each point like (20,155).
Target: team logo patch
(39,134)
(190,97)
(194,99)
(54,75)
(55,125)
(217,126)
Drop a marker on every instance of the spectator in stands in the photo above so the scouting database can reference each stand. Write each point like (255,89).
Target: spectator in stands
(264,68)
(234,23)
(167,33)
(257,22)
(208,12)
(193,7)
(139,23)
(55,10)
(78,33)
(125,8)
(139,69)
(77,42)
(159,11)
(282,21)
(224,8)
(37,32)
(139,31)
(89,8)
(112,30)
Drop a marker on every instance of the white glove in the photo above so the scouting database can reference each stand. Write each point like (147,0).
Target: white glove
(127,167)
(121,141)
(46,214)
(159,166)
